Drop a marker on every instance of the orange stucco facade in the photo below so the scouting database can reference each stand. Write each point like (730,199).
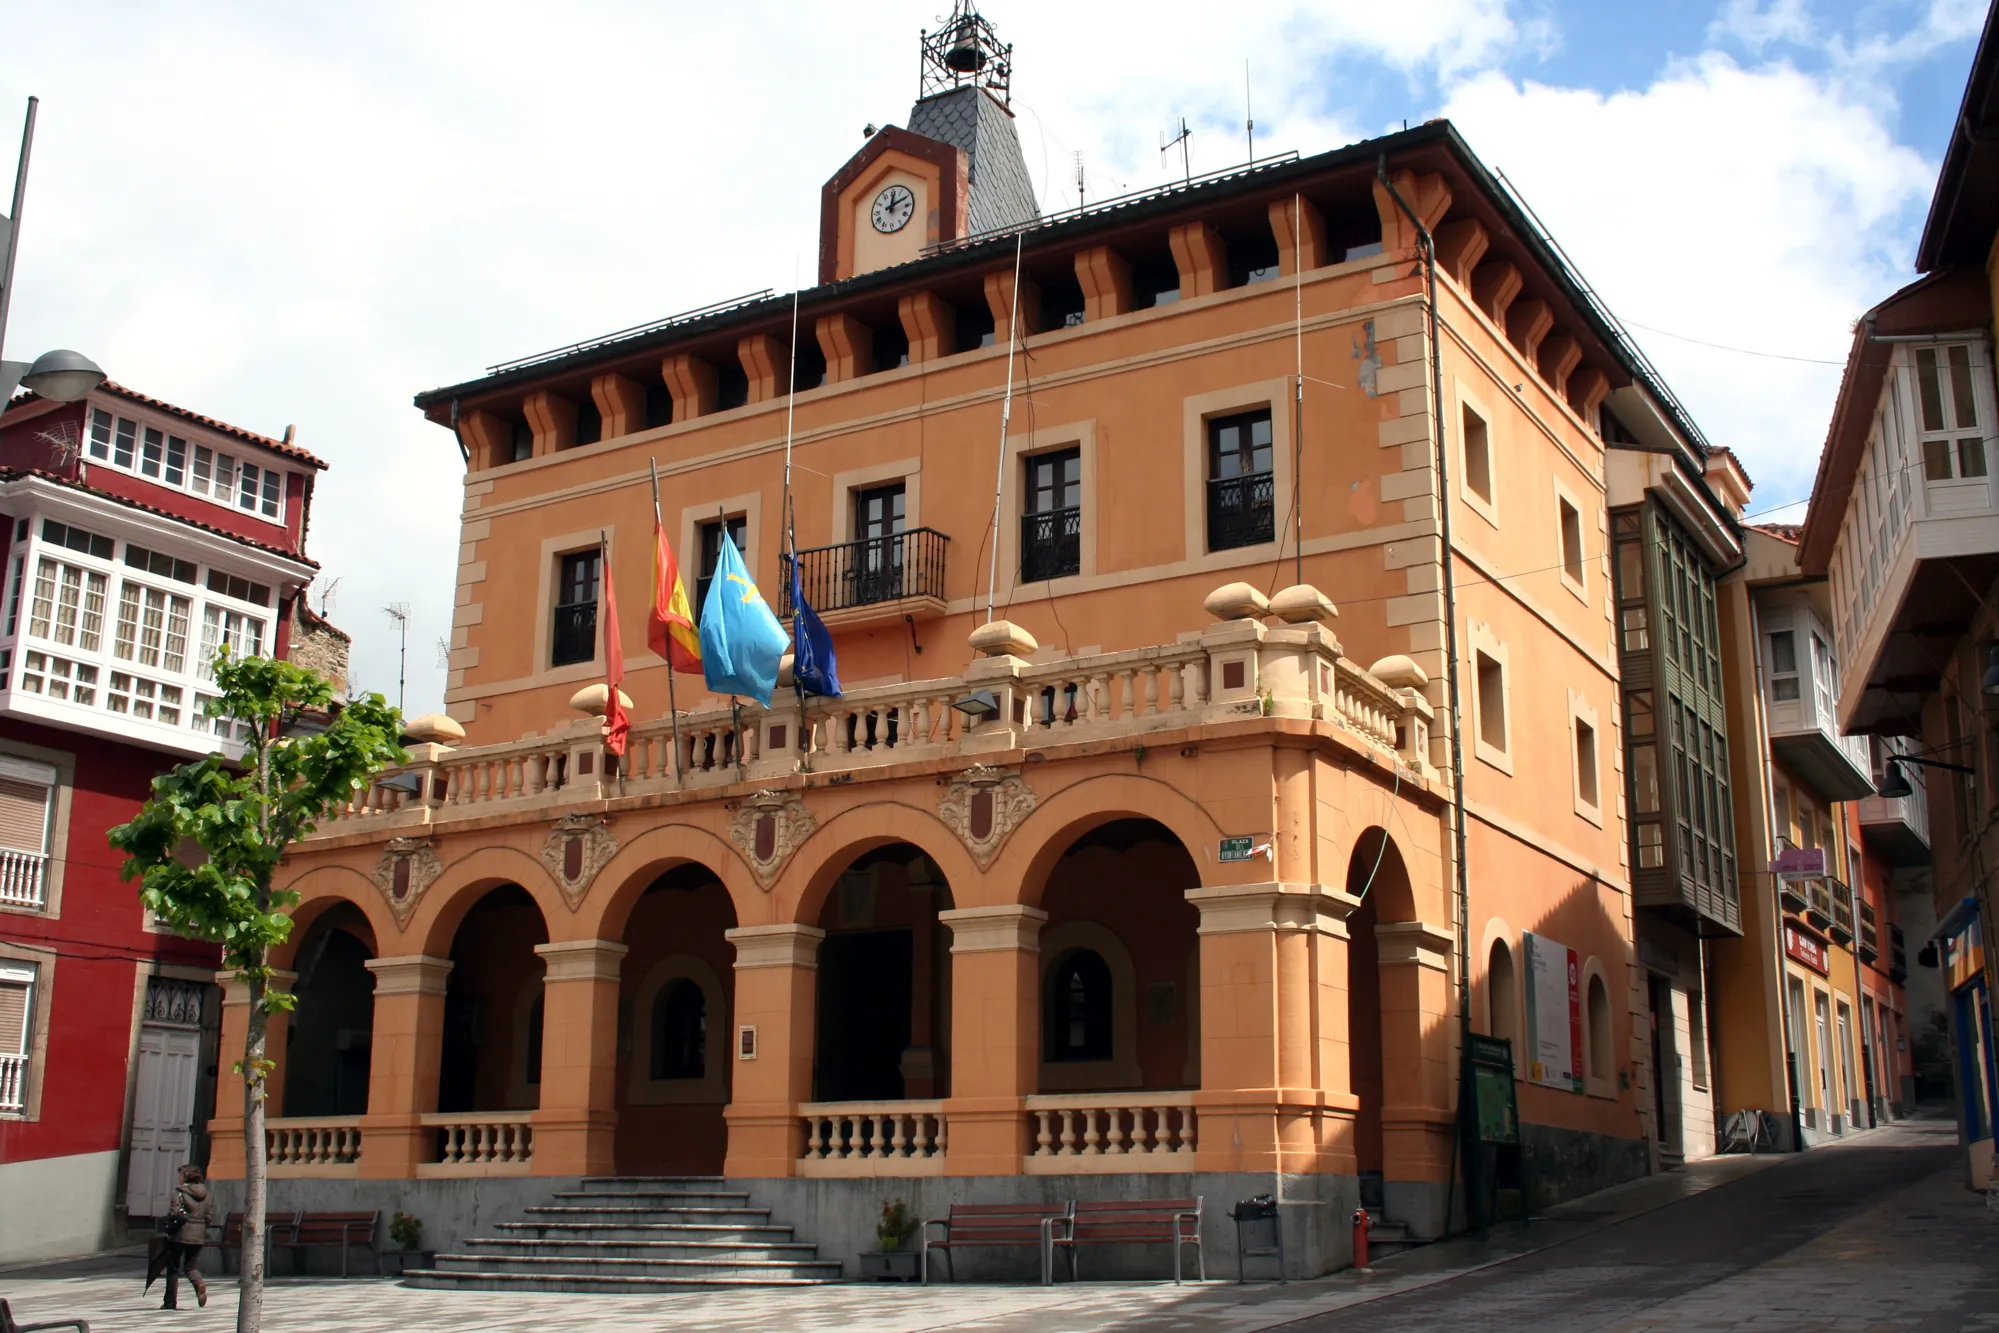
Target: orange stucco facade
(1295,1011)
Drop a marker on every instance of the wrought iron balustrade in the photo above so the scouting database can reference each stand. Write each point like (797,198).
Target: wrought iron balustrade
(575,634)
(1051,544)
(871,570)
(1870,934)
(1898,953)
(1842,910)
(1242,511)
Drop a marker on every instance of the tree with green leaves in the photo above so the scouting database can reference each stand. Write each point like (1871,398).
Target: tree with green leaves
(207,844)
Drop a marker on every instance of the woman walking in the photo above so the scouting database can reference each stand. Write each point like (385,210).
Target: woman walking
(186,1232)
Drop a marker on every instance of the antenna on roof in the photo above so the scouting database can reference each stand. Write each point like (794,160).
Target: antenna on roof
(1166,145)
(400,613)
(1078,155)
(1248,115)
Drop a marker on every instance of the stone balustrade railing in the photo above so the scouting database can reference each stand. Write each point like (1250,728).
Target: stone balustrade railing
(1238,669)
(313,1143)
(1110,1132)
(480,1143)
(906,1138)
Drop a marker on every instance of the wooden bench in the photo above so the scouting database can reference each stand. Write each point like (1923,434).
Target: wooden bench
(1173,1222)
(330,1231)
(231,1243)
(994,1226)
(7,1324)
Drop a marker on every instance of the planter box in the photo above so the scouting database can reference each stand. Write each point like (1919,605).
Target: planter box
(397,1262)
(890,1266)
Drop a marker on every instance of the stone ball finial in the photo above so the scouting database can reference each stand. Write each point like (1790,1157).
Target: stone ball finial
(1003,638)
(595,698)
(434,729)
(1399,672)
(785,679)
(1237,601)
(1302,604)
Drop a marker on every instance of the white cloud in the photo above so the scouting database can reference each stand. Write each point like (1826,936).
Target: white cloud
(1758,208)
(1756,26)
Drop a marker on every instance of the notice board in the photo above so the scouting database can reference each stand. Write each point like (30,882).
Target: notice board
(1554,1014)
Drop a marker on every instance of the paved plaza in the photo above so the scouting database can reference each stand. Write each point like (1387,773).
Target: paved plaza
(1875,1233)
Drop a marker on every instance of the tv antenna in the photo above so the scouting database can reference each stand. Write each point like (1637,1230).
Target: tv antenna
(443,652)
(1180,141)
(400,613)
(1078,155)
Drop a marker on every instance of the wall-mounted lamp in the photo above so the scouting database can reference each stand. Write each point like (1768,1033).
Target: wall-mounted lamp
(978,706)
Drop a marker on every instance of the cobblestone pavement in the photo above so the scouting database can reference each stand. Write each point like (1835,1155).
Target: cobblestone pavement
(1872,1234)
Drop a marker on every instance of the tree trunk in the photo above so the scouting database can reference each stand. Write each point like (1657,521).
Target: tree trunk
(250,1305)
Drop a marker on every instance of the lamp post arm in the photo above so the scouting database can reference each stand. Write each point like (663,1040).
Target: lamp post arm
(1929,763)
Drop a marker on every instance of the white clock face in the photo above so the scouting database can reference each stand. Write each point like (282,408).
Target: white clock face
(893,209)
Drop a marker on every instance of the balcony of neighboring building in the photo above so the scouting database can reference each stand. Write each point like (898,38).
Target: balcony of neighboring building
(1916,537)
(878,577)
(1897,827)
(110,617)
(1800,694)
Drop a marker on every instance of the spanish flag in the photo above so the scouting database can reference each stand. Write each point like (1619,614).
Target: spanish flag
(670,630)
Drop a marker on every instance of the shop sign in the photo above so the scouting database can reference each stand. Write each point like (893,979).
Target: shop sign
(1794,863)
(1554,1014)
(1805,948)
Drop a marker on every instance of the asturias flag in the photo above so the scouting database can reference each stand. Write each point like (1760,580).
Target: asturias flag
(741,641)
(813,665)
(670,628)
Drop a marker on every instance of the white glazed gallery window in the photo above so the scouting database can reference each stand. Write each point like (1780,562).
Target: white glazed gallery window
(174,461)
(242,635)
(68,605)
(152,628)
(1947,414)
(148,700)
(1783,665)
(17,1004)
(58,677)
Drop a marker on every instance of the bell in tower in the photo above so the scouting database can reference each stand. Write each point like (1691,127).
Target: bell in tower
(966,51)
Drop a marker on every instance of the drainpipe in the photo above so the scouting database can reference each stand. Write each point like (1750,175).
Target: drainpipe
(1429,246)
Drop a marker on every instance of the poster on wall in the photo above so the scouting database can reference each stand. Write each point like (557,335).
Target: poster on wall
(1554,1014)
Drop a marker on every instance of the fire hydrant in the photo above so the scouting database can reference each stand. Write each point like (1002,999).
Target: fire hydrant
(1362,1224)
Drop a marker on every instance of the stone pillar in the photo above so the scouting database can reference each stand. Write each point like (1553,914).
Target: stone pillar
(1269,954)
(995,1035)
(777,975)
(407,1047)
(576,1125)
(226,1128)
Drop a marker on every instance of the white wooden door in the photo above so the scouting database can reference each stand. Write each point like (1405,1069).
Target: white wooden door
(162,1116)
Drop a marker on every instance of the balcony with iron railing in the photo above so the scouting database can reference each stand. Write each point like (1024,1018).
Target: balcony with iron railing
(1818,902)
(574,634)
(876,577)
(1842,910)
(1870,934)
(1898,954)
(1051,544)
(1242,511)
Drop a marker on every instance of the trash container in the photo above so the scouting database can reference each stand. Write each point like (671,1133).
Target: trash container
(1259,1234)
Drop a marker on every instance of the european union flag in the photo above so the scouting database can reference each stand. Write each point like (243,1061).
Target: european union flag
(813,665)
(741,641)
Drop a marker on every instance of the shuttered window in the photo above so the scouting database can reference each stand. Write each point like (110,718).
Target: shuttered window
(17,985)
(25,791)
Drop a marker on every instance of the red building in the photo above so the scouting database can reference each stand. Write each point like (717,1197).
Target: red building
(139,538)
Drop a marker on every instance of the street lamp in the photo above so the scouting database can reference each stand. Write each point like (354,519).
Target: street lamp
(1895,783)
(62,375)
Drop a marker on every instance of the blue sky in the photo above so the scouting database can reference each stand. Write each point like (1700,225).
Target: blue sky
(280,214)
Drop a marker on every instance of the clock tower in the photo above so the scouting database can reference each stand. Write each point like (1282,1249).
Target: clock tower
(956,170)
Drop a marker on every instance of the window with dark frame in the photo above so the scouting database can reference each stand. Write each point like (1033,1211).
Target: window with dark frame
(1242,488)
(1079,1009)
(1051,522)
(711,552)
(589,422)
(574,634)
(874,571)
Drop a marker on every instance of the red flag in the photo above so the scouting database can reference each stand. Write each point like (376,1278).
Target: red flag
(617,726)
(670,630)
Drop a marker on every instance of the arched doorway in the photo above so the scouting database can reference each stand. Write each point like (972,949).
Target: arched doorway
(674,1007)
(1383,1026)
(884,1001)
(1120,962)
(332,1026)
(492,1007)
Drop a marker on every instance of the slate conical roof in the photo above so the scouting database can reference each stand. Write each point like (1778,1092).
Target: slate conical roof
(968,119)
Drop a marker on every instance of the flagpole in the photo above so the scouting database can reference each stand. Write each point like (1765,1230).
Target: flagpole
(1006,416)
(672,703)
(611,687)
(791,518)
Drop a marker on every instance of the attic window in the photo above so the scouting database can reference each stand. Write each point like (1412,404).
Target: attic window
(659,406)
(1061,304)
(809,367)
(1253,259)
(520,441)
(891,346)
(975,325)
(1154,282)
(732,387)
(589,422)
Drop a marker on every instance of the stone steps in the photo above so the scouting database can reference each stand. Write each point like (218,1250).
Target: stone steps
(633,1233)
